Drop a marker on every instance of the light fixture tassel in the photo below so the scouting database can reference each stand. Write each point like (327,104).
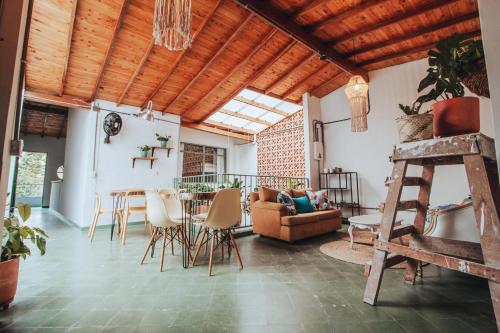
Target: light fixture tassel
(172,24)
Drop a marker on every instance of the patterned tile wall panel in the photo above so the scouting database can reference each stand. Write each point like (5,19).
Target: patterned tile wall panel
(280,148)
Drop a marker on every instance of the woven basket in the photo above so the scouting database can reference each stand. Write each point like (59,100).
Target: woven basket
(415,127)
(478,82)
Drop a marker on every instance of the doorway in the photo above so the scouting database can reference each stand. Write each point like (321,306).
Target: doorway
(30,178)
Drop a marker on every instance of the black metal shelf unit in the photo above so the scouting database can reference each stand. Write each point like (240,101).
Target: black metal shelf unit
(343,189)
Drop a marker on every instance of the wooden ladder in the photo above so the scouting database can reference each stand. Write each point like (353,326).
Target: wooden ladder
(477,153)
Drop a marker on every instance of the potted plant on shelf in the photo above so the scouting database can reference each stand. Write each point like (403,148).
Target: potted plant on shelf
(454,58)
(143,150)
(163,140)
(414,126)
(15,234)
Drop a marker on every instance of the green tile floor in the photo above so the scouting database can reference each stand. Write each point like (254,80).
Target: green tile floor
(100,287)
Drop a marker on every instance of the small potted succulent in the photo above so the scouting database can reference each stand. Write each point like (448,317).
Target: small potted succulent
(414,126)
(143,150)
(454,60)
(15,234)
(163,140)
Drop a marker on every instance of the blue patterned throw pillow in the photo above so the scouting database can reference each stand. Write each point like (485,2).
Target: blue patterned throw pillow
(286,199)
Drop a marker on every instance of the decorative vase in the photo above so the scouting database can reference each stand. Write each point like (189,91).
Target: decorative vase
(163,144)
(9,272)
(143,153)
(456,116)
(415,127)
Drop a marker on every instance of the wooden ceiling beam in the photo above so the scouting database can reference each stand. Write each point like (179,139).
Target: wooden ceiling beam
(277,19)
(229,127)
(419,10)
(290,72)
(214,58)
(181,55)
(58,111)
(310,6)
(109,50)
(353,11)
(66,101)
(414,34)
(205,128)
(261,106)
(137,70)
(236,69)
(408,52)
(299,84)
(68,46)
(244,116)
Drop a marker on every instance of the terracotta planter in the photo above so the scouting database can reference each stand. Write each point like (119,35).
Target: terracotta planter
(9,271)
(456,116)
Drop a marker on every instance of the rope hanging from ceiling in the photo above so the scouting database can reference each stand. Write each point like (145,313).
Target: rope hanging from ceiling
(172,24)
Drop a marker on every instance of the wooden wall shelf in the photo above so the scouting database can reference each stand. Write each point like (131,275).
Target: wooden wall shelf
(151,159)
(158,147)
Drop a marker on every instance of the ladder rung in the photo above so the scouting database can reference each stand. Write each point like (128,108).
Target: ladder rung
(407,181)
(402,230)
(408,204)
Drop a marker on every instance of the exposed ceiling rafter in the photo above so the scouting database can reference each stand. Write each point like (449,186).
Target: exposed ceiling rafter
(229,127)
(334,79)
(290,72)
(301,83)
(66,101)
(214,130)
(220,50)
(68,46)
(310,6)
(261,106)
(245,117)
(277,19)
(109,50)
(181,55)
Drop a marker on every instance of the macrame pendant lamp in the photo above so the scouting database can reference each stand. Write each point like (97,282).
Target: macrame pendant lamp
(357,92)
(172,24)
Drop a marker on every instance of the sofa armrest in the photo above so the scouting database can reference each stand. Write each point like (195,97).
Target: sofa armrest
(266,218)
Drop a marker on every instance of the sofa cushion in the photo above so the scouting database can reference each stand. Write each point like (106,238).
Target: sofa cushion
(310,217)
(303,205)
(297,193)
(319,199)
(286,199)
(268,194)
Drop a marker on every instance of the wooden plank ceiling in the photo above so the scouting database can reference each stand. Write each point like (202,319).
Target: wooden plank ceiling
(88,49)
(44,120)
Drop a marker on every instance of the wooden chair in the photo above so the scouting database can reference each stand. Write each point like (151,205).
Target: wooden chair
(223,215)
(98,211)
(162,210)
(133,210)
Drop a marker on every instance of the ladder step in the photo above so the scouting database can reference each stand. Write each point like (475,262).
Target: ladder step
(407,181)
(402,230)
(408,204)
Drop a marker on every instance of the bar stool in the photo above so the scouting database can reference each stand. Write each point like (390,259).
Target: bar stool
(133,210)
(98,211)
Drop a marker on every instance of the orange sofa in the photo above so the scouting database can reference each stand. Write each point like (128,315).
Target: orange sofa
(271,219)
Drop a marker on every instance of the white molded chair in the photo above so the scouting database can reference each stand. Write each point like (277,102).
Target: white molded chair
(98,211)
(223,215)
(162,210)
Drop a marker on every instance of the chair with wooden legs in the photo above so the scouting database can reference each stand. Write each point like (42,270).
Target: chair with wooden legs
(163,223)
(224,214)
(98,211)
(133,210)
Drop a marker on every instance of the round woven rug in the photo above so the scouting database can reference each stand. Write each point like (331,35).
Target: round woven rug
(360,254)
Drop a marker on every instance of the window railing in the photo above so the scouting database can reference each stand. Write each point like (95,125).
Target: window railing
(246,184)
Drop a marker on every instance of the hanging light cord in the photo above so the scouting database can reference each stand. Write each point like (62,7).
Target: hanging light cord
(346,119)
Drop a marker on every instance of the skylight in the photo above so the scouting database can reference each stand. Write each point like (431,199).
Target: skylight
(253,111)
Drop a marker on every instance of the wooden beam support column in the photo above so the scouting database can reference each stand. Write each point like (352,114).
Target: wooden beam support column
(274,17)
(109,50)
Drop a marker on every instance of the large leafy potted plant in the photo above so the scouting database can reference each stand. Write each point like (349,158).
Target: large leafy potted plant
(453,59)
(15,234)
(414,126)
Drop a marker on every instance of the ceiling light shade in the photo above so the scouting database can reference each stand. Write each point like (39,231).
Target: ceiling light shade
(148,113)
(357,92)
(172,24)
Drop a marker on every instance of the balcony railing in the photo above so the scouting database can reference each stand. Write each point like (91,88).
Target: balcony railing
(246,183)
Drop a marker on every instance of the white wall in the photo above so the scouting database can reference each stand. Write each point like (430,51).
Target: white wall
(113,162)
(54,148)
(312,112)
(368,152)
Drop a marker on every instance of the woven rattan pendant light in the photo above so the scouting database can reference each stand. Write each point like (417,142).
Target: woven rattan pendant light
(172,24)
(357,93)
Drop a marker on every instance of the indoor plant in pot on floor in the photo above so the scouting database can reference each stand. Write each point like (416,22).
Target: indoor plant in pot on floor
(453,59)
(414,126)
(15,234)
